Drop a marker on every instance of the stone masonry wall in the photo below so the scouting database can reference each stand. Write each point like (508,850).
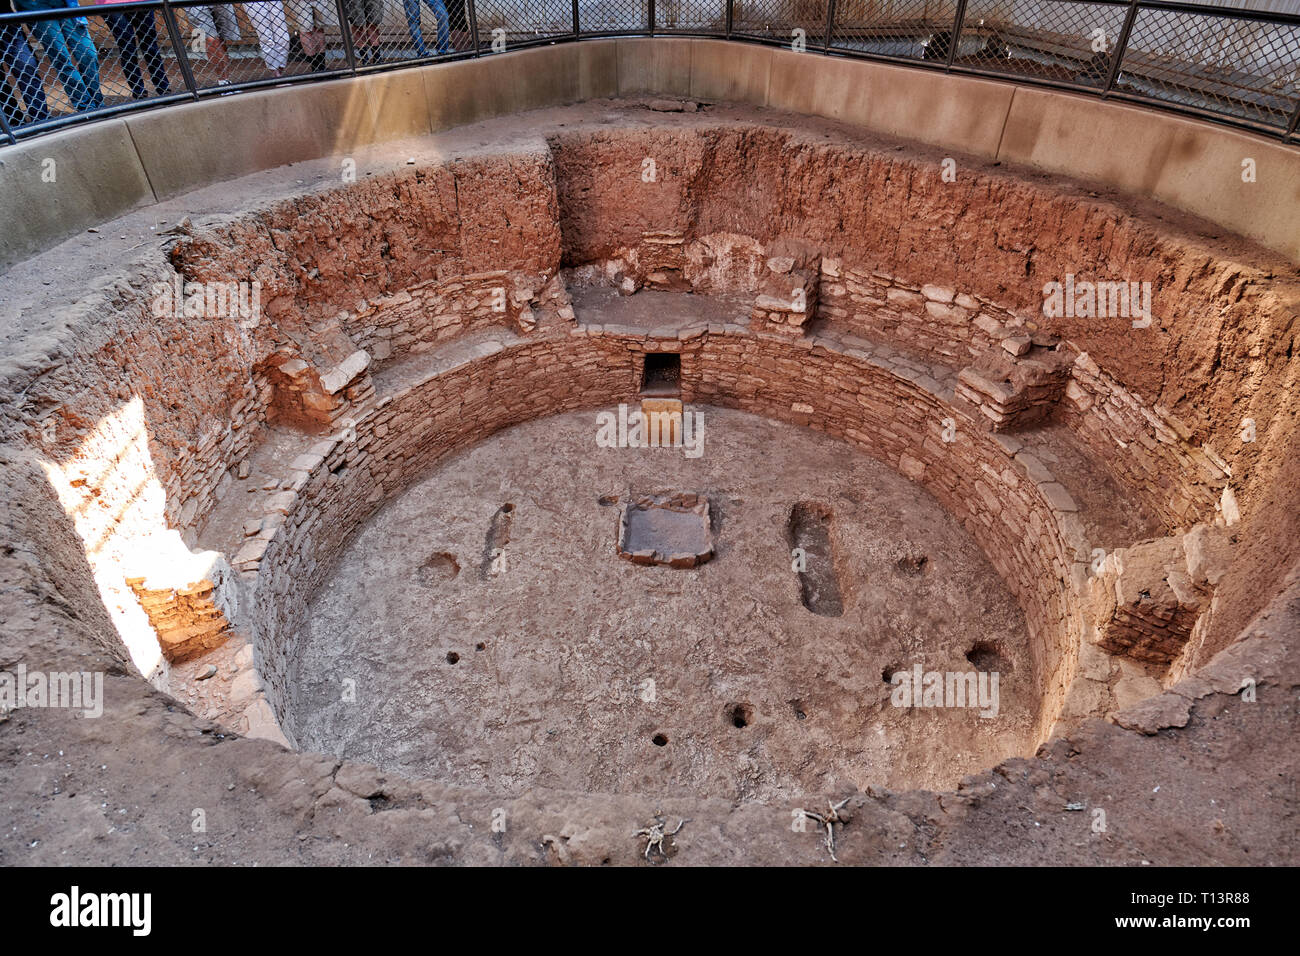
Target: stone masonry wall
(1221,349)
(426,314)
(1030,531)
(350,475)
(1149,451)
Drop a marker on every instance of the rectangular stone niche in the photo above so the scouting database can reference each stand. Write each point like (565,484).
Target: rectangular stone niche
(670,529)
(661,376)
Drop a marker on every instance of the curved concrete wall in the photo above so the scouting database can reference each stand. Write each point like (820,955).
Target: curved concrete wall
(108,168)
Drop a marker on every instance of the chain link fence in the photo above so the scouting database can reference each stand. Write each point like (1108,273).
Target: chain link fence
(707,17)
(237,43)
(799,23)
(1064,42)
(61,63)
(91,59)
(504,24)
(613,17)
(1229,65)
(903,29)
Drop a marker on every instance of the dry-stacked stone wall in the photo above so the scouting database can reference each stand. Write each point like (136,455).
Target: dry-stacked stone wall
(400,438)
(1176,395)
(1153,450)
(1029,529)
(884,405)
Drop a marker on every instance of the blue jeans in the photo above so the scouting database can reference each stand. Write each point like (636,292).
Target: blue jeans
(16,57)
(67,43)
(412,8)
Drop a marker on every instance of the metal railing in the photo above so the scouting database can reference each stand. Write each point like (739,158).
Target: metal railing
(75,64)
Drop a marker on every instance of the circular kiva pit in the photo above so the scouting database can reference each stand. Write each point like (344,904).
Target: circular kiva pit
(568,662)
(907,526)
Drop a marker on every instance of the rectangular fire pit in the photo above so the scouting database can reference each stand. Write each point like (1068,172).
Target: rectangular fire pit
(671,529)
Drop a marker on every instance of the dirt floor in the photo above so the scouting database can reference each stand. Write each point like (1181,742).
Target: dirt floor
(533,669)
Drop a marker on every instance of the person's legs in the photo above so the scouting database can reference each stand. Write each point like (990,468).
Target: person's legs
(359,19)
(412,10)
(13,112)
(444,29)
(76,32)
(123,32)
(205,38)
(374,10)
(370,40)
(18,59)
(225,30)
(312,18)
(227,23)
(146,33)
(458,25)
(50,36)
(268,20)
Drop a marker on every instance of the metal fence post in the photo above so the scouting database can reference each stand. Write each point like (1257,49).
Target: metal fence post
(830,25)
(953,42)
(345,33)
(650,26)
(1295,121)
(730,16)
(473,25)
(182,60)
(577,32)
(1121,45)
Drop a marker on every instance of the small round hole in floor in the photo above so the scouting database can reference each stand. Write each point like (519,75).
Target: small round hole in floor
(659,740)
(739,715)
(452,657)
(912,564)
